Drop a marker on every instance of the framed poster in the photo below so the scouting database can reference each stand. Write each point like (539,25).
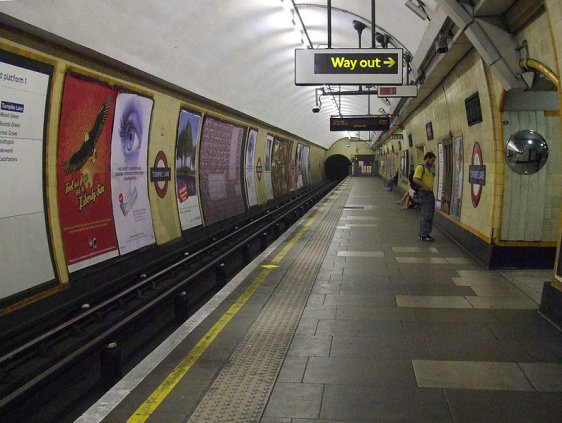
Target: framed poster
(187,147)
(456,197)
(267,165)
(249,170)
(440,172)
(280,167)
(129,170)
(473,109)
(302,160)
(84,172)
(24,102)
(429,131)
(220,176)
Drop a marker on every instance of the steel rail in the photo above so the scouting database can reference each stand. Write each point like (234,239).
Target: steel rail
(99,340)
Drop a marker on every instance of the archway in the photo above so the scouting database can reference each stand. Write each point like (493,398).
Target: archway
(337,167)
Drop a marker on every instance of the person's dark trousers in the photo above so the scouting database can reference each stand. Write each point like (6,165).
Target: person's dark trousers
(427,200)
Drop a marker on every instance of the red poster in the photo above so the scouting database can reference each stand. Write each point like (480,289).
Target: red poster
(84,172)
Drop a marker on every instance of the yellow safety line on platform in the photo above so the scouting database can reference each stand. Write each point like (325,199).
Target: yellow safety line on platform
(157,397)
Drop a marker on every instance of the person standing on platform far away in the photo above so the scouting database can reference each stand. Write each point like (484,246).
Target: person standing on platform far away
(423,177)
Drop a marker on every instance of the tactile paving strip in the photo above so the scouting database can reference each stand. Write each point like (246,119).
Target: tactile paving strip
(241,391)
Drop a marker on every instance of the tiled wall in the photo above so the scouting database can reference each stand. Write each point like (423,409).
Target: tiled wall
(554,8)
(445,108)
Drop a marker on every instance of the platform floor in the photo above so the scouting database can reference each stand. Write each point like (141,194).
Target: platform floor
(349,317)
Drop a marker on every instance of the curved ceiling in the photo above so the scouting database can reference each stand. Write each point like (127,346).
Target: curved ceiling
(238,53)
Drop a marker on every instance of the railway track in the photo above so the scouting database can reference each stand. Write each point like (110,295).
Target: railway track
(79,357)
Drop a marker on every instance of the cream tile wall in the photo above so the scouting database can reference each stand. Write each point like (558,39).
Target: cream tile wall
(445,108)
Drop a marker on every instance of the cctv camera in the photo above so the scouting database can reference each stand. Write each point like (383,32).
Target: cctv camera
(315,109)
(442,46)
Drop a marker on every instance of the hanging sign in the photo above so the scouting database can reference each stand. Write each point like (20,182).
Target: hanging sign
(348,66)
(360,123)
(398,91)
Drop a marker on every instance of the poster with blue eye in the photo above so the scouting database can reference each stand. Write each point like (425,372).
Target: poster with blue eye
(250,174)
(187,145)
(84,172)
(129,169)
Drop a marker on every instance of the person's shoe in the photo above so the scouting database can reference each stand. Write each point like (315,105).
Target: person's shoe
(427,238)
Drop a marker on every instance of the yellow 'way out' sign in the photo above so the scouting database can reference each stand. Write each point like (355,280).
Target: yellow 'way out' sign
(348,66)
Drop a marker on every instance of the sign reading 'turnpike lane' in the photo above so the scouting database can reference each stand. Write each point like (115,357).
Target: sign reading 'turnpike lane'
(348,66)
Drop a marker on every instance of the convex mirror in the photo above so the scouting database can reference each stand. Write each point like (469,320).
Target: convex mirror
(526,152)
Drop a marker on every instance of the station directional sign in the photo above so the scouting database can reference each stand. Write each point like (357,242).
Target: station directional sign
(375,66)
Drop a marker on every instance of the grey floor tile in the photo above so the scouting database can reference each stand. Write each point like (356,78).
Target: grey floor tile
(376,348)
(432,301)
(377,404)
(276,420)
(545,377)
(439,290)
(380,300)
(469,406)
(383,329)
(456,330)
(519,302)
(470,375)
(535,329)
(547,351)
(454,315)
(293,369)
(372,288)
(347,312)
(310,346)
(470,349)
(392,374)
(307,327)
(315,311)
(295,400)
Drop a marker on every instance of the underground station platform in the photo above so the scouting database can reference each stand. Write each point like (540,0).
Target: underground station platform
(349,317)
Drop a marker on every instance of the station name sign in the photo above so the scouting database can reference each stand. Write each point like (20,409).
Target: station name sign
(360,123)
(348,66)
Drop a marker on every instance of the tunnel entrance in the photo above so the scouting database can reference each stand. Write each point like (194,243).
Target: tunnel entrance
(337,167)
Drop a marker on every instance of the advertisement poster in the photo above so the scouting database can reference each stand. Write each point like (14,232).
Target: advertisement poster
(129,170)
(302,165)
(250,175)
(456,198)
(268,150)
(220,177)
(279,167)
(187,145)
(84,172)
(291,180)
(24,87)
(440,170)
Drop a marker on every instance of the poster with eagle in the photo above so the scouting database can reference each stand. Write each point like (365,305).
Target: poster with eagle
(84,172)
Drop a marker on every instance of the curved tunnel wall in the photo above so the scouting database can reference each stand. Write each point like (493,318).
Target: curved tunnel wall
(124,163)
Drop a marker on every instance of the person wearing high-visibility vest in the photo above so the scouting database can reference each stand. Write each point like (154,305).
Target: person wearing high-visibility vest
(423,177)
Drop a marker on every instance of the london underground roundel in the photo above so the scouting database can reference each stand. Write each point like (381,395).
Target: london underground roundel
(476,189)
